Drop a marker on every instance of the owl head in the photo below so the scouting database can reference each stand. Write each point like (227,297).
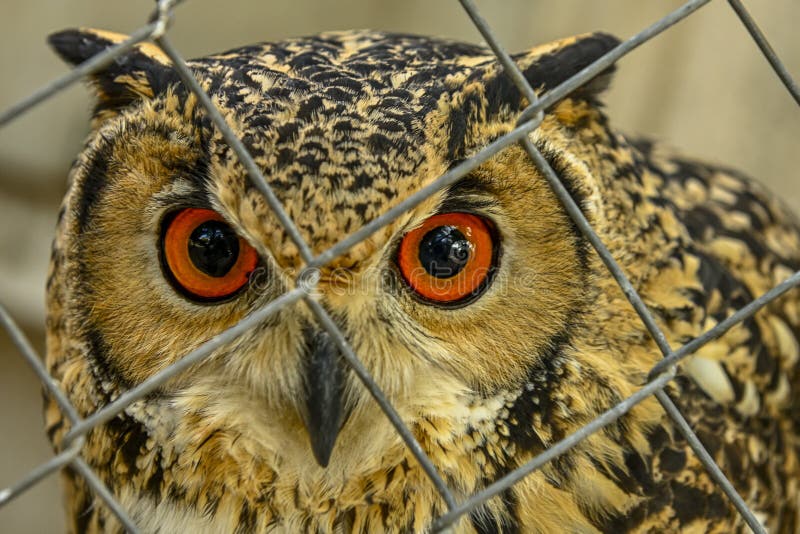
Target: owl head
(467,310)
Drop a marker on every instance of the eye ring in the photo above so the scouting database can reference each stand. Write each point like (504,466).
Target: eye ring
(203,257)
(450,259)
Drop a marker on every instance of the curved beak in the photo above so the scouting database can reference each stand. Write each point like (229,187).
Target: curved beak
(324,379)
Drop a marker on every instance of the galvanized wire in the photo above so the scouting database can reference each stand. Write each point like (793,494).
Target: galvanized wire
(25,348)
(42,471)
(622,280)
(80,466)
(194,357)
(649,321)
(307,279)
(554,451)
(90,66)
(761,40)
(238,147)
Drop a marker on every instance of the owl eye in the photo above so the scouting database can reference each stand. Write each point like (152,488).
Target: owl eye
(204,256)
(449,258)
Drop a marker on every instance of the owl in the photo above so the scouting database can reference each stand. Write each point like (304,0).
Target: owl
(482,313)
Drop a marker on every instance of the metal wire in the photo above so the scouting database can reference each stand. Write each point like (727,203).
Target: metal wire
(194,357)
(89,66)
(741,315)
(451,176)
(766,49)
(649,321)
(238,147)
(708,462)
(307,279)
(42,471)
(29,353)
(616,271)
(411,442)
(82,468)
(612,56)
(556,450)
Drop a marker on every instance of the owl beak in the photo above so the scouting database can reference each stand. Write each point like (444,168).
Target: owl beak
(324,393)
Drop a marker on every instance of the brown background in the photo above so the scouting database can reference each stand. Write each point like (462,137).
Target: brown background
(702,87)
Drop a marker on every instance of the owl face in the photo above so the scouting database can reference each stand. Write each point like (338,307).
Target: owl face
(166,242)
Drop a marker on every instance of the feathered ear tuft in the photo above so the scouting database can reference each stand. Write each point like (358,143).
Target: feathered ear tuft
(141,73)
(490,94)
(549,65)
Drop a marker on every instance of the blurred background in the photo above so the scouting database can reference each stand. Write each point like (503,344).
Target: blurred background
(702,87)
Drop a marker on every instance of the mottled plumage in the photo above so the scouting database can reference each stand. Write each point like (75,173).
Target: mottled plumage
(344,126)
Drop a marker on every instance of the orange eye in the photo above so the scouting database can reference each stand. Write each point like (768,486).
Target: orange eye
(205,257)
(449,259)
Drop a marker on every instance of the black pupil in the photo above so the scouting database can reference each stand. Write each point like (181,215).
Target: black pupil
(444,251)
(214,248)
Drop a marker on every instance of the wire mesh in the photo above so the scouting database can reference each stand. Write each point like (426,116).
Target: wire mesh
(529,119)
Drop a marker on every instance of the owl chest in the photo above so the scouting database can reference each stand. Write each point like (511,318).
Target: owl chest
(284,509)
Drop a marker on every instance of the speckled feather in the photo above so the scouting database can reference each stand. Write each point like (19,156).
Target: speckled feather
(345,125)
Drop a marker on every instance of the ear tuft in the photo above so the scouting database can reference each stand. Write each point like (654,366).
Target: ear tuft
(142,72)
(73,47)
(549,65)
(77,45)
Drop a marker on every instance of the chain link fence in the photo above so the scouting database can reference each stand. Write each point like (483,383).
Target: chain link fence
(529,119)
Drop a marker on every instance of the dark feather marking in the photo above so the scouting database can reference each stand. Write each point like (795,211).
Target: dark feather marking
(76,46)
(102,366)
(563,170)
(247,519)
(93,185)
(485,522)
